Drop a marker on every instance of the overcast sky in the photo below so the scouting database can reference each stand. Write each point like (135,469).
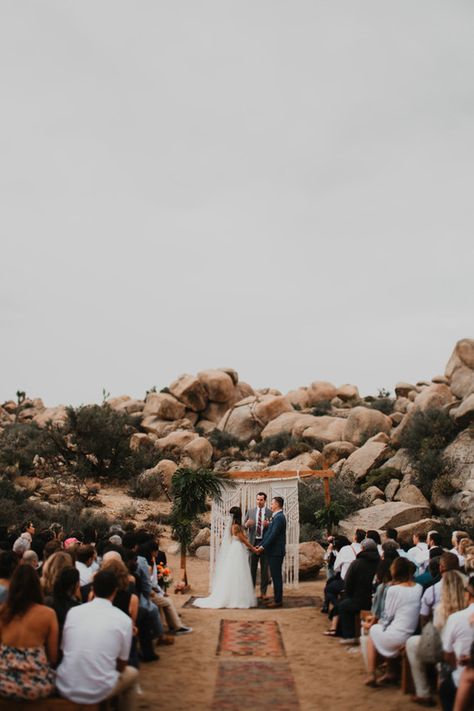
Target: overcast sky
(280,186)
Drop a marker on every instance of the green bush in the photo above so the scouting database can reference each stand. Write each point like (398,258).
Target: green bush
(312,506)
(20,443)
(323,407)
(425,437)
(225,440)
(380,477)
(310,532)
(383,404)
(146,486)
(275,443)
(442,486)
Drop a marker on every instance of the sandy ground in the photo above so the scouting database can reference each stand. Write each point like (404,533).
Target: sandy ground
(326,675)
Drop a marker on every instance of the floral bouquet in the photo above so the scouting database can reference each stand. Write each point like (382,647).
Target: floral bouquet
(164,575)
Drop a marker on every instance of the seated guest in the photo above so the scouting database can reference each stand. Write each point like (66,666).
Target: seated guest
(465,693)
(358,589)
(66,594)
(375,536)
(8,565)
(457,640)
(400,620)
(51,547)
(31,558)
(29,640)
(463,547)
(52,568)
(125,599)
(432,595)
(431,576)
(452,600)
(96,645)
(335,583)
(456,539)
(84,559)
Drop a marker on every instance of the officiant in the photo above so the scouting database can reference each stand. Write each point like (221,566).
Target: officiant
(256,522)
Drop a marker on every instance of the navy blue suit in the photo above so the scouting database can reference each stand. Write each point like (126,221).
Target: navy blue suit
(274,545)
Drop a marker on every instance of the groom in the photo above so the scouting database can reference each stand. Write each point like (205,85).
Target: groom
(273,544)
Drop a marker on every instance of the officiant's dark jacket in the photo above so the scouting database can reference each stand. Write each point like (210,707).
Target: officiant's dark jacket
(274,540)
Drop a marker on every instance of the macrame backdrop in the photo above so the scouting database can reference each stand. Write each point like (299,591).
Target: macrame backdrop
(244,494)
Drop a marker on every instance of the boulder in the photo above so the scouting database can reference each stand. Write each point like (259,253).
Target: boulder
(202,538)
(440,379)
(162,428)
(401,405)
(334,451)
(151,484)
(269,407)
(307,460)
(401,461)
(56,415)
(163,406)
(116,402)
(326,429)
(298,397)
(411,494)
(243,390)
(320,390)
(215,411)
(10,406)
(375,451)
(433,396)
(165,469)
(372,493)
(464,413)
(174,548)
(403,389)
(246,466)
(405,533)
(462,381)
(392,515)
(378,502)
(218,385)
(348,393)
(140,440)
(197,454)
(391,489)
(396,418)
(205,426)
(459,461)
(268,391)
(460,368)
(176,440)
(293,423)
(363,423)
(203,553)
(189,390)
(233,374)
(242,421)
(311,559)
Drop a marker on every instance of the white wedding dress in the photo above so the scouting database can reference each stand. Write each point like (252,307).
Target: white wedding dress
(232,585)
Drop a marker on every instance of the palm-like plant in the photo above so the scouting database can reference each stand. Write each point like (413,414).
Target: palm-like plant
(191,489)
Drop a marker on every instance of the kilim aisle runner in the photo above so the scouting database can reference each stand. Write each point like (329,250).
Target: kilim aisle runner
(268,684)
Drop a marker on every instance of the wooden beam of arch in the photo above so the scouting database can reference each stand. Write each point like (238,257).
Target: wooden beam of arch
(324,474)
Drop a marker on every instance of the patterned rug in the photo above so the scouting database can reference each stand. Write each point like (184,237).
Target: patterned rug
(244,685)
(289,602)
(258,638)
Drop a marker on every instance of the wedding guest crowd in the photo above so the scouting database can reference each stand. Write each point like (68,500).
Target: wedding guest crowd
(410,611)
(79,615)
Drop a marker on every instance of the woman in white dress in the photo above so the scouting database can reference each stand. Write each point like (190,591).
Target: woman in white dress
(399,620)
(232,585)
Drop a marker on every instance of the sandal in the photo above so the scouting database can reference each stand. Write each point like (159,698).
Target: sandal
(371,682)
(388,680)
(330,633)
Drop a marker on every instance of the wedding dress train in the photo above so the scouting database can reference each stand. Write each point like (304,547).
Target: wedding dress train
(232,586)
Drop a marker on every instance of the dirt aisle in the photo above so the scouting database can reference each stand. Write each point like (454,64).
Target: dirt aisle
(325,674)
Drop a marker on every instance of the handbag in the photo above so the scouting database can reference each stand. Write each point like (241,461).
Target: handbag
(430,648)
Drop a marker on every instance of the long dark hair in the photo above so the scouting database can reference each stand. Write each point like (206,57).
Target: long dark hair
(236,512)
(24,591)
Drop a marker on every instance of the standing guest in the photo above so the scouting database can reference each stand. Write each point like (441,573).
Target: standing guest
(29,640)
(23,542)
(96,645)
(358,589)
(256,522)
(457,638)
(400,620)
(8,565)
(52,568)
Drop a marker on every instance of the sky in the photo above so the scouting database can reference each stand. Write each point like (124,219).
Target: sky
(279,186)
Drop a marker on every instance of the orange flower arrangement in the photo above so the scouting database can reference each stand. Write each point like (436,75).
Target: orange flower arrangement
(164,573)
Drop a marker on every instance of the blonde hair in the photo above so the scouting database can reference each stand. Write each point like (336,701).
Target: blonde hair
(52,568)
(457,537)
(120,571)
(452,596)
(464,544)
(469,559)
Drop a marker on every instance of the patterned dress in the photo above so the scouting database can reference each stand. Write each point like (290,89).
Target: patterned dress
(25,673)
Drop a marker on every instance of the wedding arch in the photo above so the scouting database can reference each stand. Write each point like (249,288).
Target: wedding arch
(242,491)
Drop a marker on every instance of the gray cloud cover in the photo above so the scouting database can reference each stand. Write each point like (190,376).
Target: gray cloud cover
(280,187)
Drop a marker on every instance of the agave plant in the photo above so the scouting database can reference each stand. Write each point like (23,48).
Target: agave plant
(191,489)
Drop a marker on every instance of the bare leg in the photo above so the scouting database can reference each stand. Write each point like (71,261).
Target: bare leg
(371,663)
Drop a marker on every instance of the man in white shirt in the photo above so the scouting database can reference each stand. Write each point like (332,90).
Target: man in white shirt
(84,559)
(96,646)
(419,551)
(457,637)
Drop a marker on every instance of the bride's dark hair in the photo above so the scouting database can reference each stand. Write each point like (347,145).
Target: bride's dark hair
(236,512)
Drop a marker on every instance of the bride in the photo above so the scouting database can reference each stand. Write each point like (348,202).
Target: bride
(232,585)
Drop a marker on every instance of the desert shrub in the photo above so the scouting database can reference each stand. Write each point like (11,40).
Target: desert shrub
(146,486)
(20,443)
(312,506)
(296,406)
(383,404)
(442,486)
(276,443)
(426,435)
(321,408)
(380,477)
(295,448)
(225,440)
(309,532)
(9,492)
